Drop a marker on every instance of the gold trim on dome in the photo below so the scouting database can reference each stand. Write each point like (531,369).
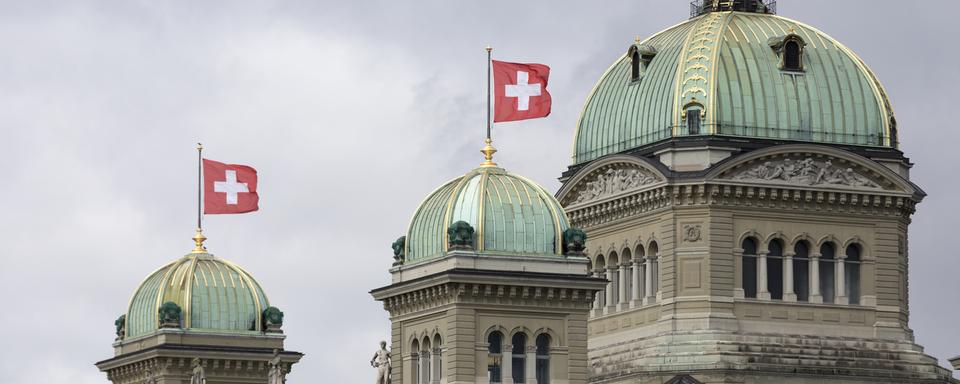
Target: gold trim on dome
(190,278)
(696,69)
(481,208)
(254,289)
(446,214)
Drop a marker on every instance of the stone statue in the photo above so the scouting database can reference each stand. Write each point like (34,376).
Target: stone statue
(276,374)
(574,241)
(199,375)
(170,315)
(272,319)
(399,255)
(121,324)
(381,361)
(461,235)
(151,378)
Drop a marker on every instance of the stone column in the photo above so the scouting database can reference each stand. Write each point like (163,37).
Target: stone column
(763,292)
(435,366)
(531,364)
(611,275)
(738,291)
(841,279)
(650,297)
(788,293)
(635,299)
(815,296)
(597,302)
(622,285)
(506,367)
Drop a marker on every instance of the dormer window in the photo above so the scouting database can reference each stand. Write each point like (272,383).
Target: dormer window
(693,116)
(640,58)
(790,49)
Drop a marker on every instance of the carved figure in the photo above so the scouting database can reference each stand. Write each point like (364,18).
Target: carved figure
(381,361)
(272,319)
(276,375)
(574,241)
(691,233)
(121,324)
(399,253)
(805,172)
(150,376)
(614,181)
(199,375)
(460,235)
(170,314)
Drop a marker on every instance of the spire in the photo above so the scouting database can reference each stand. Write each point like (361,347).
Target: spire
(198,239)
(488,152)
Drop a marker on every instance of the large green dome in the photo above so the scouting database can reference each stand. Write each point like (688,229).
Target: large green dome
(214,294)
(729,66)
(509,213)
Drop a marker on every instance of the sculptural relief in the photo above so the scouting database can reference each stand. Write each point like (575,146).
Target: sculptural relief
(276,375)
(198,375)
(692,233)
(805,172)
(614,181)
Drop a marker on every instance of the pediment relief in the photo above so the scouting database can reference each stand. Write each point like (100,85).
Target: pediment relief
(802,169)
(608,181)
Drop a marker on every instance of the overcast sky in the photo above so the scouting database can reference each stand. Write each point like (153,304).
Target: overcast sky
(352,112)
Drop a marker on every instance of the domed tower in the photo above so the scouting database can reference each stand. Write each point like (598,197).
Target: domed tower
(199,315)
(740,180)
(490,284)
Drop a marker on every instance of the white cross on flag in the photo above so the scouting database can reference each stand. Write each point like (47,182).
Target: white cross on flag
(520,91)
(229,188)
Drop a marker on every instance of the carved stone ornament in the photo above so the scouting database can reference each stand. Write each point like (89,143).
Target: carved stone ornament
(121,325)
(804,172)
(273,320)
(460,235)
(612,181)
(399,253)
(277,373)
(198,374)
(574,241)
(170,314)
(692,233)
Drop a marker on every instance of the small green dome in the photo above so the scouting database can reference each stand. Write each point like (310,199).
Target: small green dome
(214,294)
(510,215)
(731,68)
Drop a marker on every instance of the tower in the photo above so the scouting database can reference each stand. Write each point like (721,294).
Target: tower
(489,284)
(199,317)
(740,181)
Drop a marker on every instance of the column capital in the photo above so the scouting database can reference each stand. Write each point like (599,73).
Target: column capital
(789,254)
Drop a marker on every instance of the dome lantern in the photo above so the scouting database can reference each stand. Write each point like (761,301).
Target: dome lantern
(700,7)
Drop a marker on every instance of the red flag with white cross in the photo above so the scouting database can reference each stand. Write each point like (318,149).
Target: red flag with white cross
(520,91)
(229,188)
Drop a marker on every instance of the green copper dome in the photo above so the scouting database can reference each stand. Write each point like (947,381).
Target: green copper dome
(214,294)
(732,69)
(509,213)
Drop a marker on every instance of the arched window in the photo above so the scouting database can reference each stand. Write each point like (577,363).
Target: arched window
(749,267)
(494,356)
(828,256)
(635,65)
(654,250)
(602,273)
(425,356)
(543,359)
(437,372)
(614,276)
(792,56)
(519,358)
(415,361)
(693,120)
(852,273)
(626,264)
(775,269)
(801,270)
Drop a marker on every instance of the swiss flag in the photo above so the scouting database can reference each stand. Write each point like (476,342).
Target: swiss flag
(520,91)
(229,188)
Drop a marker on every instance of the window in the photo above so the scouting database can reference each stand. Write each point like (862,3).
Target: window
(693,121)
(519,358)
(628,271)
(614,277)
(425,356)
(437,359)
(775,269)
(635,65)
(749,270)
(494,356)
(827,282)
(543,359)
(801,271)
(601,272)
(792,52)
(655,266)
(852,273)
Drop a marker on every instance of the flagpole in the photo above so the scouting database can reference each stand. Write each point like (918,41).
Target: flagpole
(199,238)
(489,150)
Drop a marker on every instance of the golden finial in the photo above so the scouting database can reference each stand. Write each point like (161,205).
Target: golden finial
(199,238)
(636,40)
(488,152)
(792,31)
(489,48)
